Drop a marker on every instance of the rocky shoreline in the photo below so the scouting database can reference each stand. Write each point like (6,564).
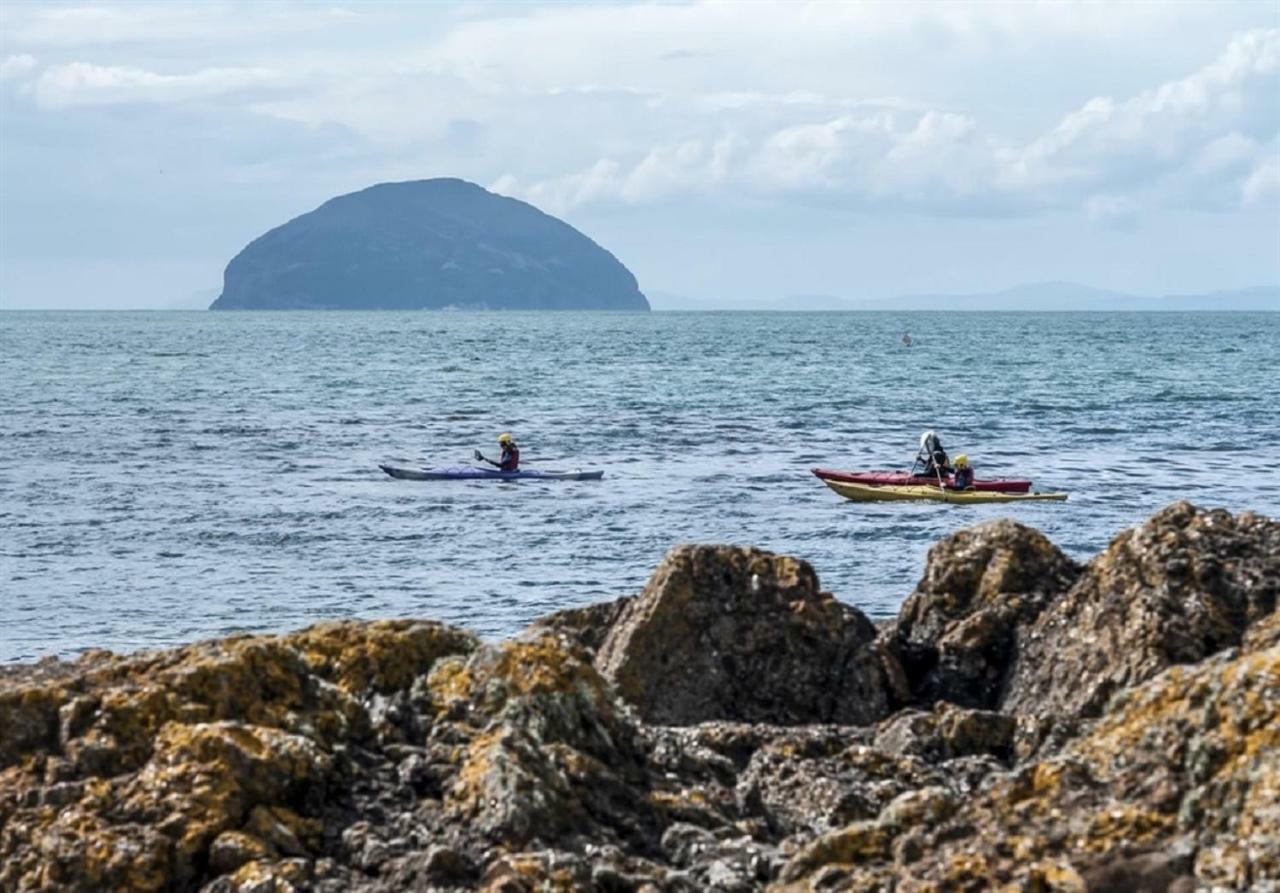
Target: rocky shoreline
(1026,723)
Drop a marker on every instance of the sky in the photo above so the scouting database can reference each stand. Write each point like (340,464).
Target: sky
(725,152)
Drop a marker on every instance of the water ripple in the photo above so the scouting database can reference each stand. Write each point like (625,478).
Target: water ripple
(167,477)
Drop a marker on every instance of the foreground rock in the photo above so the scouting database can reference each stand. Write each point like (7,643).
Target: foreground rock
(160,771)
(957,636)
(408,755)
(738,634)
(1181,587)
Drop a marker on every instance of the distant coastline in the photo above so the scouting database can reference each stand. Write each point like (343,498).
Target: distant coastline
(1044,297)
(1060,297)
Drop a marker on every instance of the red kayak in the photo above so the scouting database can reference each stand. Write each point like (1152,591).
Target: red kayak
(903,479)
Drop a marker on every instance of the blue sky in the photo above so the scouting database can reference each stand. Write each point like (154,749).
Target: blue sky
(724,151)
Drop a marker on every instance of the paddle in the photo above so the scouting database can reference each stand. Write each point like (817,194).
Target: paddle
(941,486)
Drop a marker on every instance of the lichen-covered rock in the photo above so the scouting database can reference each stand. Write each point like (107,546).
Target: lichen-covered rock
(586,626)
(157,771)
(1175,590)
(957,634)
(723,633)
(539,748)
(1180,779)
(402,755)
(947,732)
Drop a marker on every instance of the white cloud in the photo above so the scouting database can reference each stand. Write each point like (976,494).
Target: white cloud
(1101,115)
(1165,122)
(1263,184)
(14,67)
(1225,153)
(626,103)
(1113,210)
(81,83)
(65,26)
(1189,136)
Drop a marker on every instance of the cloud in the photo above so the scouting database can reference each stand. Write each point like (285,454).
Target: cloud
(82,83)
(1262,186)
(1194,137)
(1226,153)
(1112,210)
(67,26)
(14,67)
(885,106)
(1237,88)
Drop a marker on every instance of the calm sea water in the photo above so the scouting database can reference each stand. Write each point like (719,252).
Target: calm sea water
(171,476)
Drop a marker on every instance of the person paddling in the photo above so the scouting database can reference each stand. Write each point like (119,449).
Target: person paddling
(932,456)
(962,478)
(510,459)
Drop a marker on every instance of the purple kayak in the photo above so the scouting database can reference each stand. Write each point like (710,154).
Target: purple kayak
(472,473)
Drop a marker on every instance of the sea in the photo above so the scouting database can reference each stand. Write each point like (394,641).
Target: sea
(172,476)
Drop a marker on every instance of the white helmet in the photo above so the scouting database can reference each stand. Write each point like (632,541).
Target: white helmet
(926,437)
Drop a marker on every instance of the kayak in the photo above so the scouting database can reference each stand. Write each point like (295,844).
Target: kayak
(472,473)
(903,479)
(888,493)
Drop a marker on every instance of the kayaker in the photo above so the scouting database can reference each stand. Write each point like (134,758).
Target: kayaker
(906,339)
(962,477)
(932,456)
(510,459)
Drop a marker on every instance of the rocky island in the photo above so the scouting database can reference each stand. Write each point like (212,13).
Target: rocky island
(1026,723)
(426,244)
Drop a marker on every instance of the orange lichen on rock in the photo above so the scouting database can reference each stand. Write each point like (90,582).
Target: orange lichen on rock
(124,772)
(1025,725)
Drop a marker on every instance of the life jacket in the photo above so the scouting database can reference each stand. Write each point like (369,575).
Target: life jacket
(510,460)
(962,479)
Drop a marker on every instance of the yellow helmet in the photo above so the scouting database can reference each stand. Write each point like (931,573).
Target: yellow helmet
(962,461)
(505,439)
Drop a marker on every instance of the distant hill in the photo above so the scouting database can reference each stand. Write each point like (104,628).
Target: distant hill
(429,244)
(1050,296)
(1045,296)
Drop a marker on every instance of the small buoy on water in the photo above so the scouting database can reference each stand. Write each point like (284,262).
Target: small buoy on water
(906,339)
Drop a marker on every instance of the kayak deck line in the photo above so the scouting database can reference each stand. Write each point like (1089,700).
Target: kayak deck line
(890,493)
(472,473)
(906,479)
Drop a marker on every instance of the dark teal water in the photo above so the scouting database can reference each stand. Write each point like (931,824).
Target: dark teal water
(171,476)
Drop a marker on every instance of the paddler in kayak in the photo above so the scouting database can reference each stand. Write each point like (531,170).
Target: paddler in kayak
(962,477)
(510,459)
(932,457)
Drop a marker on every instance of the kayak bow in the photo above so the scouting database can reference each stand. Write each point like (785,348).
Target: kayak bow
(869,493)
(471,473)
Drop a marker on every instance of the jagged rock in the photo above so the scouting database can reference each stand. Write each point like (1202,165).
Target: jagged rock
(858,842)
(380,757)
(540,747)
(212,757)
(957,634)
(1182,775)
(232,849)
(586,626)
(947,732)
(802,791)
(1151,872)
(1179,588)
(724,633)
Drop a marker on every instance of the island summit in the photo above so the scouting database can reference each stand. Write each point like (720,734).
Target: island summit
(426,244)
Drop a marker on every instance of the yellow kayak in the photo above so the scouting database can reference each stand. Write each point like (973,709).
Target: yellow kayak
(887,493)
